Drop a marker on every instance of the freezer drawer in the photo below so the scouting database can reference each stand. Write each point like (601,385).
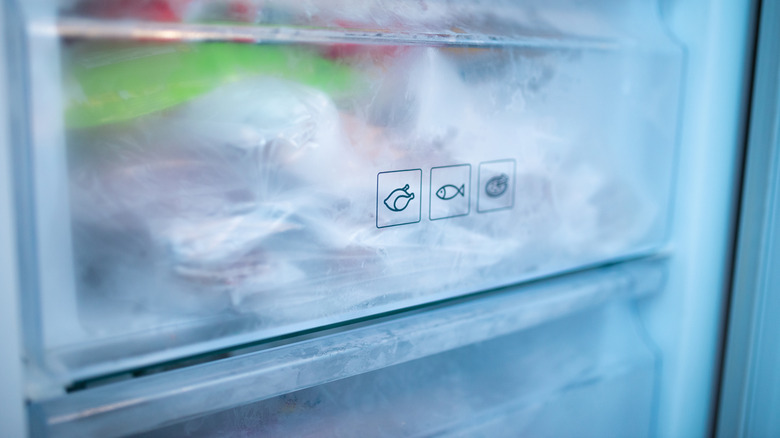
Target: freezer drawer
(567,378)
(197,182)
(506,363)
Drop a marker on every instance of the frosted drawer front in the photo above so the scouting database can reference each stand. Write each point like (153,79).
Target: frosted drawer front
(496,357)
(569,378)
(221,190)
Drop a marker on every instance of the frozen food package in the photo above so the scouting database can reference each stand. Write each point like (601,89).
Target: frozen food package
(112,82)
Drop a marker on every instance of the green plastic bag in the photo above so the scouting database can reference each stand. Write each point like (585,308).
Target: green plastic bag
(107,83)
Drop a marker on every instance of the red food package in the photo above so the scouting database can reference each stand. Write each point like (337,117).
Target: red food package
(351,50)
(147,10)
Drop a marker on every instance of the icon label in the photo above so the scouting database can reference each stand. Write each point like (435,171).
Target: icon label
(398,197)
(496,185)
(450,191)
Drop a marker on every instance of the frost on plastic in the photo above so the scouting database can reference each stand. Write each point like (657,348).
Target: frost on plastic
(537,18)
(255,189)
(537,382)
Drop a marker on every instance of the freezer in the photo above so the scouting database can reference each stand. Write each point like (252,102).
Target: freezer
(374,218)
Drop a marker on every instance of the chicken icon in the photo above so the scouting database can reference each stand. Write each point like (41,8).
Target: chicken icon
(399,199)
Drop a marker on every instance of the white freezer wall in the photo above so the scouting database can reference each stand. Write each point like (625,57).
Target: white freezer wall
(750,387)
(12,414)
(686,321)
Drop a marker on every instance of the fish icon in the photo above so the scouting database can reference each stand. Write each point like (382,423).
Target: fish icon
(497,185)
(399,199)
(449,191)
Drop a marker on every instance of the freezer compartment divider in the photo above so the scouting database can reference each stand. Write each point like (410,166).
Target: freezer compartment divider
(87,28)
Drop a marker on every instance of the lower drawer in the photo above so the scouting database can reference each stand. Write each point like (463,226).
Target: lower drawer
(527,360)
(586,375)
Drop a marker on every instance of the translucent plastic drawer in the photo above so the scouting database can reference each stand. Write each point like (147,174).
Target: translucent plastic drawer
(547,382)
(208,174)
(567,357)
